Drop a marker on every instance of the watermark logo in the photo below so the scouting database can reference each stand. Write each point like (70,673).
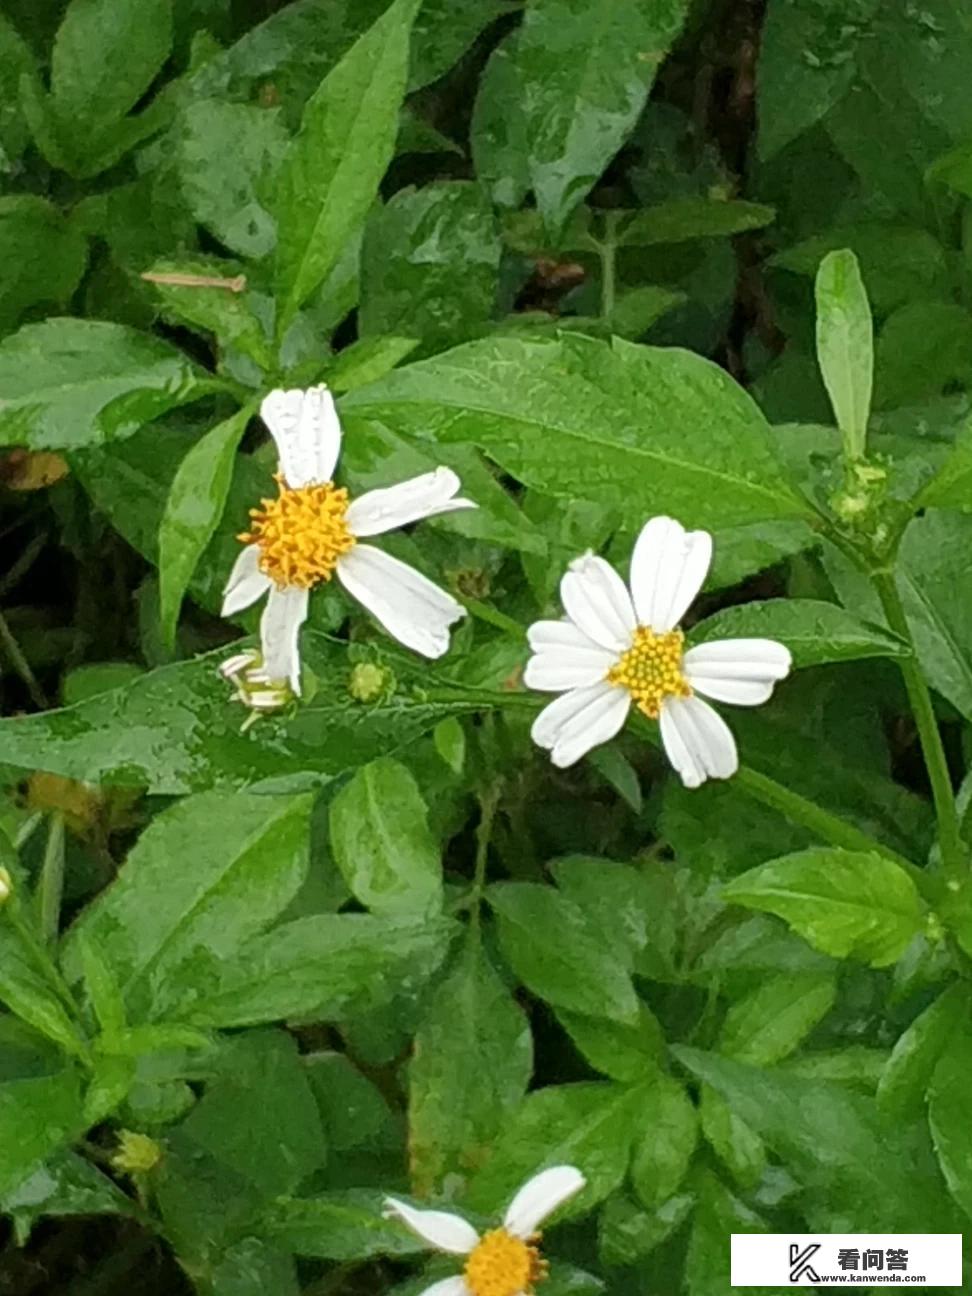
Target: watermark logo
(845,1259)
(800,1266)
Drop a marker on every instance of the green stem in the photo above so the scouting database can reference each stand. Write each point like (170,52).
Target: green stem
(20,664)
(51,888)
(488,802)
(492,616)
(954,860)
(608,253)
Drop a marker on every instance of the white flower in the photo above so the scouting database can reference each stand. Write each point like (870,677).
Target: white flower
(311,532)
(506,1261)
(614,648)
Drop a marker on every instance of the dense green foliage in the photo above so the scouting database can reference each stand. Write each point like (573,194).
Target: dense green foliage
(605,259)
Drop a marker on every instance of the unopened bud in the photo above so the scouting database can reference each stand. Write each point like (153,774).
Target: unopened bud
(136,1153)
(369,681)
(6,885)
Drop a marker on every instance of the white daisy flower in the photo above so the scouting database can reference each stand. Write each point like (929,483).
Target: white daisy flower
(312,531)
(505,1261)
(615,647)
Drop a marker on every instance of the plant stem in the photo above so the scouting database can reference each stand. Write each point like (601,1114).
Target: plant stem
(954,859)
(488,801)
(20,664)
(51,887)
(608,251)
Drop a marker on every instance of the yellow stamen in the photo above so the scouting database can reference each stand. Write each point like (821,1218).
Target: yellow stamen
(502,1265)
(301,534)
(651,669)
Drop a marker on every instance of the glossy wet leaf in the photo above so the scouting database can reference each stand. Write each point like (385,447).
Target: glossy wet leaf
(228,155)
(65,1185)
(322,968)
(471,1064)
(681,219)
(382,843)
(202,879)
(330,174)
(430,265)
(177,730)
(951,1133)
(844,903)
(37,1117)
(916,1053)
(339,1226)
(667,1133)
(26,989)
(767,1024)
(617,424)
(815,632)
(739,1149)
(587,1125)
(193,510)
(498,135)
(69,383)
(43,256)
(546,939)
(586,73)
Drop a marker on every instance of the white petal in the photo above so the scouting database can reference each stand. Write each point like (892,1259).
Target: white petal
(411,608)
(448,1287)
(246,582)
(668,568)
(540,1197)
(567,668)
(306,429)
(579,720)
(280,624)
(594,597)
(545,636)
(740,671)
(697,741)
(442,1230)
(395,506)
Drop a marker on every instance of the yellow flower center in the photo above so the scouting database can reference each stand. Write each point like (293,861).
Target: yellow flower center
(502,1265)
(651,669)
(301,534)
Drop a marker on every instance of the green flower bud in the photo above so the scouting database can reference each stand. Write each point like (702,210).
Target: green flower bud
(368,682)
(136,1154)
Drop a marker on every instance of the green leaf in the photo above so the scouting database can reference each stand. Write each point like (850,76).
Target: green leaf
(498,133)
(381,840)
(951,487)
(26,989)
(948,1114)
(430,265)
(69,383)
(844,903)
(224,308)
(618,903)
(444,29)
(717,1215)
(909,1070)
(206,875)
(586,73)
(330,175)
(16,61)
(258,1115)
(339,1226)
(617,1050)
(627,1233)
(845,346)
(105,57)
(834,1144)
(177,729)
(103,990)
(616,424)
(922,350)
(228,154)
(734,1143)
(558,956)
(815,632)
(367,360)
(43,255)
(585,1125)
(252,1268)
(471,1064)
(766,1025)
(37,1117)
(665,1143)
(192,512)
(681,219)
(322,968)
(898,263)
(64,1186)
(807,62)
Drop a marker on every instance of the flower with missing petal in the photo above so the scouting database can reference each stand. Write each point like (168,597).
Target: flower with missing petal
(312,531)
(505,1261)
(615,648)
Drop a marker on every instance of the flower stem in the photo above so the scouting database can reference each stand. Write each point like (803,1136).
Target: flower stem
(51,886)
(607,251)
(954,858)
(488,802)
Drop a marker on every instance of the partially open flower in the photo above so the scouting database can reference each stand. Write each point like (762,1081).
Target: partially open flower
(312,532)
(506,1261)
(615,648)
